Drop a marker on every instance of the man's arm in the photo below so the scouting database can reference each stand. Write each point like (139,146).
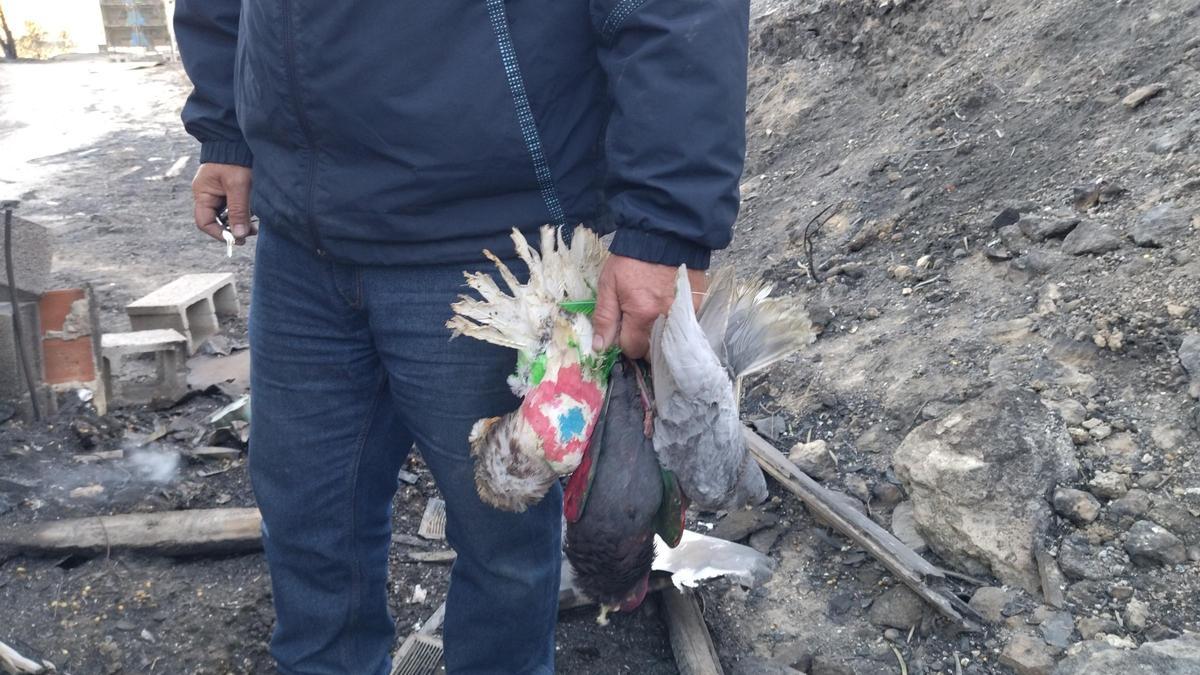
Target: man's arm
(675,148)
(207,34)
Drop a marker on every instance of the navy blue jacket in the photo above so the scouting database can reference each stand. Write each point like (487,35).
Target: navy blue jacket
(406,132)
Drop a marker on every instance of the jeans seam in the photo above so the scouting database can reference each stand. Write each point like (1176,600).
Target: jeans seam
(356,571)
(351,301)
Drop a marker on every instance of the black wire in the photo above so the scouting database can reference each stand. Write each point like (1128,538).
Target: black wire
(16,316)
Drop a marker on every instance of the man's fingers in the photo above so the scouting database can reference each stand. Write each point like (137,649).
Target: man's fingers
(223,186)
(606,318)
(237,199)
(206,220)
(635,335)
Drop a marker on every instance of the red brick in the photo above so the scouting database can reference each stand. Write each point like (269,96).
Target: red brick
(69,360)
(56,305)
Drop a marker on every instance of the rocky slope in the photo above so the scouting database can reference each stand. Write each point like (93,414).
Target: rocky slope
(1006,277)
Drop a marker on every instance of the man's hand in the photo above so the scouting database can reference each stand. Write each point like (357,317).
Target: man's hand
(631,296)
(220,186)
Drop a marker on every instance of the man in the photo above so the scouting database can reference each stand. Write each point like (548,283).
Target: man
(391,141)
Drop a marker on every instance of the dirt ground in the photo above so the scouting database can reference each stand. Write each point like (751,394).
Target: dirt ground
(922,125)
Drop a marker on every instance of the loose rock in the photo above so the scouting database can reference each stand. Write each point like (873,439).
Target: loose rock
(1142,94)
(1136,615)
(1189,358)
(887,494)
(1056,629)
(990,602)
(1149,544)
(1109,484)
(1077,506)
(1027,655)
(1159,226)
(1041,229)
(1078,560)
(1091,626)
(1091,237)
(1072,411)
(813,459)
(742,523)
(904,526)
(1134,504)
(1176,518)
(898,607)
(1170,141)
(1180,656)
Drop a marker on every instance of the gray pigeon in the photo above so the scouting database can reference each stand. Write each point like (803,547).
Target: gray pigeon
(697,365)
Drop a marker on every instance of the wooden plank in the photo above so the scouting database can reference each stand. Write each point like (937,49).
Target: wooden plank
(907,565)
(691,642)
(198,531)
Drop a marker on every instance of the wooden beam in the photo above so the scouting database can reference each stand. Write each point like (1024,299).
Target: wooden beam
(192,532)
(691,642)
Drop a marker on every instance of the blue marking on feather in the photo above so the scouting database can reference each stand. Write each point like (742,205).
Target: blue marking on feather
(571,424)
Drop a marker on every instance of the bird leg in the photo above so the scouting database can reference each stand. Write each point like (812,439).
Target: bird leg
(647,400)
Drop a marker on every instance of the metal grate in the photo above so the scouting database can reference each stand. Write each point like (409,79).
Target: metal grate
(421,653)
(433,522)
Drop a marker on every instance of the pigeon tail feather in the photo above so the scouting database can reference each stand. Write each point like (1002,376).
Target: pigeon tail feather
(762,330)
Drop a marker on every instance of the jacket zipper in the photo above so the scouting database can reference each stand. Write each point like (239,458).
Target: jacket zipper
(305,128)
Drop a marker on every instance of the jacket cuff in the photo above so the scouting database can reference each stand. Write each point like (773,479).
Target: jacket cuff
(661,249)
(226,152)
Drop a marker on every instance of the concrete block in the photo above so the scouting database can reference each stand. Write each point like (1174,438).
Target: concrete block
(12,375)
(192,304)
(167,345)
(32,249)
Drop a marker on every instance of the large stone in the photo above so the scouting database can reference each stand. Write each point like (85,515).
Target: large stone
(1149,544)
(1091,237)
(1160,226)
(1180,656)
(980,478)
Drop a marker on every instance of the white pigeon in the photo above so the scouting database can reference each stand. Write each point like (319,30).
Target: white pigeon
(697,364)
(560,379)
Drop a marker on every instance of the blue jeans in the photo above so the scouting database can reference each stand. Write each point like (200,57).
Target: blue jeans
(350,366)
